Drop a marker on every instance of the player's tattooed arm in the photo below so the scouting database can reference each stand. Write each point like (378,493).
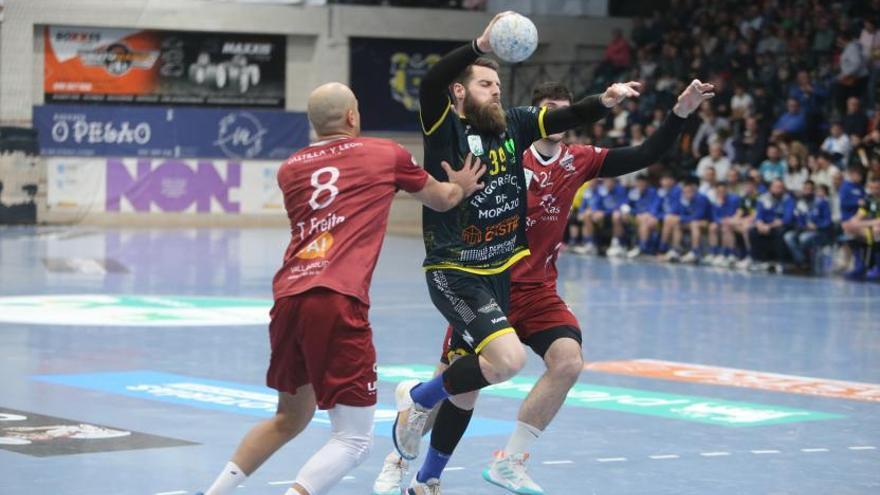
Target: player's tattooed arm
(443,196)
(621,161)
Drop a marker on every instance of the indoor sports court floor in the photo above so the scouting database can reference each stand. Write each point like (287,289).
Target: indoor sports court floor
(136,363)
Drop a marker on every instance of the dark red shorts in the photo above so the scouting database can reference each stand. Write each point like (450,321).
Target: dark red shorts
(323,337)
(534,308)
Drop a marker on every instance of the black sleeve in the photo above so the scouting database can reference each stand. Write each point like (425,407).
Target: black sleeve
(583,112)
(434,89)
(621,161)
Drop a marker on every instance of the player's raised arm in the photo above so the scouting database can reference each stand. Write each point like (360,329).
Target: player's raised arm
(443,196)
(621,161)
(590,108)
(434,89)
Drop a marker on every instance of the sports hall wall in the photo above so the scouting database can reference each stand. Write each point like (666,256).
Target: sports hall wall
(321,43)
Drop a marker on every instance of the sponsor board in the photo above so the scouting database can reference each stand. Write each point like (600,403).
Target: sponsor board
(132,310)
(143,185)
(230,397)
(166,132)
(37,435)
(672,406)
(151,67)
(732,377)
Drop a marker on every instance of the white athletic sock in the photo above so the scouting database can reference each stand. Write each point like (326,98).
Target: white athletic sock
(522,438)
(229,478)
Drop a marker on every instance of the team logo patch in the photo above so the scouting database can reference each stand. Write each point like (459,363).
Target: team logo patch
(475,143)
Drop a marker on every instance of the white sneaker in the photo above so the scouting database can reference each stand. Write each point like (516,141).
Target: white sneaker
(590,249)
(690,257)
(579,249)
(614,252)
(778,268)
(744,264)
(718,260)
(730,261)
(430,487)
(390,479)
(509,472)
(762,266)
(411,417)
(671,256)
(634,253)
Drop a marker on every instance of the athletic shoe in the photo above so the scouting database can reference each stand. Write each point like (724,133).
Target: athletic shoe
(407,431)
(730,261)
(762,266)
(390,479)
(744,264)
(718,260)
(430,487)
(579,249)
(873,274)
(690,257)
(634,253)
(615,252)
(509,472)
(672,256)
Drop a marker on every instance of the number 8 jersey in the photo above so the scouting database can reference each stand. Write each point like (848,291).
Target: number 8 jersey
(338,194)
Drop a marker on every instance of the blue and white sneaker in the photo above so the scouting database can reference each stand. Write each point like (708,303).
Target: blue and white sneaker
(509,472)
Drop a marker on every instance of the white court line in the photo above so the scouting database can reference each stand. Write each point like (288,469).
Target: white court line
(714,454)
(551,463)
(760,452)
(611,459)
(862,447)
(665,456)
(282,482)
(815,450)
(179,492)
(457,468)
(347,478)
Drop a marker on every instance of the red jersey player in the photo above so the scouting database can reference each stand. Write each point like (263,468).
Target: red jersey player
(553,171)
(337,193)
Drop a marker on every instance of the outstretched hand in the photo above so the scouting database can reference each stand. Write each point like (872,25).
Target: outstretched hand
(483,41)
(468,178)
(618,92)
(692,97)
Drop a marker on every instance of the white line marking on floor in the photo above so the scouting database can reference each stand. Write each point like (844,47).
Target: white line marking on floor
(290,482)
(714,454)
(759,452)
(815,450)
(179,492)
(665,456)
(457,468)
(611,459)
(550,463)
(347,478)
(862,447)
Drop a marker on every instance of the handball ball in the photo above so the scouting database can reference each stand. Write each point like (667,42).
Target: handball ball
(513,38)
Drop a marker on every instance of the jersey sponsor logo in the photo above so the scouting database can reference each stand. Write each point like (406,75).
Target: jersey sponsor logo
(507,206)
(499,319)
(318,248)
(472,235)
(133,310)
(229,397)
(551,210)
(488,252)
(492,186)
(311,269)
(680,407)
(733,377)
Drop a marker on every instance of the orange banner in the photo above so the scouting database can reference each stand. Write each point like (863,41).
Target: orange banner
(732,377)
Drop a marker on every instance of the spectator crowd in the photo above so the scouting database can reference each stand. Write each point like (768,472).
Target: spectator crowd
(782,167)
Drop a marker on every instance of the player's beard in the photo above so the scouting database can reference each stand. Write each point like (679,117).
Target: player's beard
(487,117)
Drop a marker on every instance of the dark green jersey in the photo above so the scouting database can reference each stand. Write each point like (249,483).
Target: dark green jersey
(486,233)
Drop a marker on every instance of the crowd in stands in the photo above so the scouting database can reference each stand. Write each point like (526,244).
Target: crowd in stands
(784,161)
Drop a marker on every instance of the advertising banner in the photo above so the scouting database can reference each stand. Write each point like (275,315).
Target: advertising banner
(386,73)
(144,185)
(89,130)
(128,66)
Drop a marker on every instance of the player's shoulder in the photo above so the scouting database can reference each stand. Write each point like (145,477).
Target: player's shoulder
(523,111)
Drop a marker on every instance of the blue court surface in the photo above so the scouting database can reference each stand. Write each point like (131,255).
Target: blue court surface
(133,361)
